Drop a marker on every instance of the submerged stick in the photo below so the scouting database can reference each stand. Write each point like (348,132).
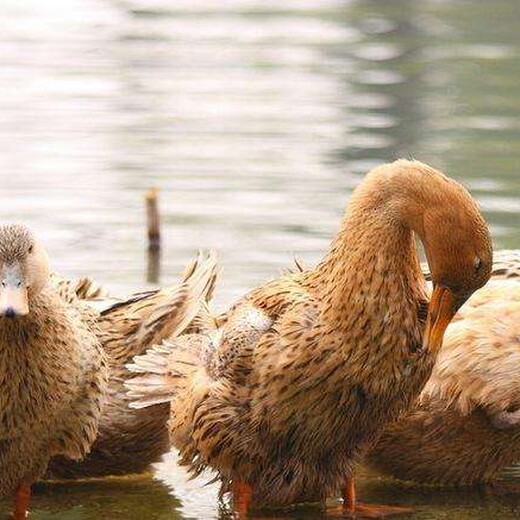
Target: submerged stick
(153,220)
(153,269)
(153,224)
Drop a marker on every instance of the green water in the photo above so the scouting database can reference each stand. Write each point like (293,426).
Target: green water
(256,118)
(142,497)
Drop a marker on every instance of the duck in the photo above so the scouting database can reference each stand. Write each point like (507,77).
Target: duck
(465,428)
(130,441)
(53,369)
(304,372)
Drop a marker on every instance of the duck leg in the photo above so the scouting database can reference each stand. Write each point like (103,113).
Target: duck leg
(352,508)
(22,498)
(242,495)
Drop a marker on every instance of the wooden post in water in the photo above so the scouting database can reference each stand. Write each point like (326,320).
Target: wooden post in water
(153,219)
(153,224)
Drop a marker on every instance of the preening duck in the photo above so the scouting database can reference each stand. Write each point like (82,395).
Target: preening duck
(288,394)
(130,441)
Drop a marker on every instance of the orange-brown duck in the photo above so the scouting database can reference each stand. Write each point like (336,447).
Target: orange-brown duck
(305,372)
(465,428)
(53,370)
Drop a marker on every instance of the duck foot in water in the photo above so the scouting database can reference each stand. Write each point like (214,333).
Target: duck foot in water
(22,498)
(242,495)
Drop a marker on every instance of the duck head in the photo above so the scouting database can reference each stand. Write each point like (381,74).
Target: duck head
(24,269)
(458,248)
(447,220)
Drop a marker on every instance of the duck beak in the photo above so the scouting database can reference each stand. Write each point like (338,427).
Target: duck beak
(13,295)
(443,306)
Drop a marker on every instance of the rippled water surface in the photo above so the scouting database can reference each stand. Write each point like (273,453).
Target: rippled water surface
(256,118)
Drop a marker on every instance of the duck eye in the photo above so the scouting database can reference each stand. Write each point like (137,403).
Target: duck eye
(31,249)
(478,264)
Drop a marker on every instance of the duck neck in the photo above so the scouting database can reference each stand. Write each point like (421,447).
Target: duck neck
(372,267)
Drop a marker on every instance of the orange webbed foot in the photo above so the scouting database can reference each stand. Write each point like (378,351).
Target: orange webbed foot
(353,508)
(242,495)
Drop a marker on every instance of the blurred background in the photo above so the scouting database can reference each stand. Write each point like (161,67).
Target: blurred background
(255,118)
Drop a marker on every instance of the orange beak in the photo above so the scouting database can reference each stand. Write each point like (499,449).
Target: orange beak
(443,306)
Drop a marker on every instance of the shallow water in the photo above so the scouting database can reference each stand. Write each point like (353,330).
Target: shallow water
(256,119)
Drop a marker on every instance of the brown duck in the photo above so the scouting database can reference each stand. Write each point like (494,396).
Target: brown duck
(130,440)
(465,428)
(291,391)
(52,367)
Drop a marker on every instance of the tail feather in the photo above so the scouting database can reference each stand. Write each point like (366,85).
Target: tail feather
(181,304)
(163,370)
(150,318)
(152,387)
(205,322)
(88,289)
(78,289)
(191,271)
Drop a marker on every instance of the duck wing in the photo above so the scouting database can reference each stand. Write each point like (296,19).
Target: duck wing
(225,354)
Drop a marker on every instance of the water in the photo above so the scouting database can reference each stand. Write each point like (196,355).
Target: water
(255,118)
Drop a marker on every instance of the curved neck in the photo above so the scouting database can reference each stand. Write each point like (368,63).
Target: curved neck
(373,259)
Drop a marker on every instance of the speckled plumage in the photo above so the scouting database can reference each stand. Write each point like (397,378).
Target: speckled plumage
(466,426)
(53,371)
(130,440)
(290,400)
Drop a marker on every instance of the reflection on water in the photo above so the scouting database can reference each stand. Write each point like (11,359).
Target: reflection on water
(256,119)
(139,498)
